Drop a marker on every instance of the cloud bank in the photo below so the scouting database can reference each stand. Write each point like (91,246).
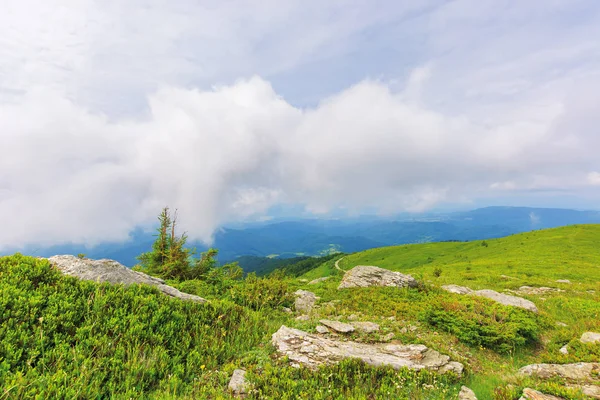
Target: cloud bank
(86,160)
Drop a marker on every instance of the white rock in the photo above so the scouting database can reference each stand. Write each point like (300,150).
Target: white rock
(367,327)
(366,275)
(457,289)
(337,326)
(590,337)
(576,372)
(563,281)
(111,271)
(238,384)
(564,349)
(321,329)
(530,394)
(302,348)
(305,301)
(466,394)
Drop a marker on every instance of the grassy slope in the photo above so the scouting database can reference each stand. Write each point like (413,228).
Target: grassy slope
(536,258)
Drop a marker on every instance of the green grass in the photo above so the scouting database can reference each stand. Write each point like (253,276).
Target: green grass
(65,338)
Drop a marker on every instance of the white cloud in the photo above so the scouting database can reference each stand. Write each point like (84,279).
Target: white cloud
(111,110)
(593,178)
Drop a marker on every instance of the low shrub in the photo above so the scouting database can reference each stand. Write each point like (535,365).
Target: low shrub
(482,323)
(260,293)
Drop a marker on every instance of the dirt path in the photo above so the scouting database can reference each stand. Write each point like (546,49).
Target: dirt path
(337,265)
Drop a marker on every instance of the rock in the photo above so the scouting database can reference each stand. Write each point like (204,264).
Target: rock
(303,280)
(408,328)
(561,324)
(537,290)
(457,289)
(318,280)
(287,310)
(352,317)
(367,327)
(365,276)
(590,337)
(506,299)
(305,301)
(577,372)
(501,298)
(309,350)
(238,384)
(113,272)
(564,349)
(563,281)
(337,326)
(388,337)
(322,329)
(530,394)
(466,394)
(589,390)
(302,318)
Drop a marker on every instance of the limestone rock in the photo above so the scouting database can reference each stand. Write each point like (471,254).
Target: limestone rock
(466,394)
(590,337)
(111,271)
(590,391)
(302,318)
(337,326)
(238,384)
(529,290)
(506,299)
(309,350)
(365,276)
(318,280)
(367,327)
(501,298)
(457,289)
(563,281)
(530,394)
(564,349)
(576,372)
(305,301)
(561,324)
(322,329)
(388,337)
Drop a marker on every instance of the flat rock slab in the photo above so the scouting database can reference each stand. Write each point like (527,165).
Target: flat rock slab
(530,394)
(590,337)
(501,298)
(337,326)
(575,372)
(305,301)
(466,394)
(530,290)
(111,271)
(367,275)
(366,327)
(304,349)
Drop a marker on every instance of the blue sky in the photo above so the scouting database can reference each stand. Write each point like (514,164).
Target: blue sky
(228,110)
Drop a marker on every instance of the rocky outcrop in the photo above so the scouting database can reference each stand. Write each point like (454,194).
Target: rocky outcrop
(501,298)
(589,390)
(238,384)
(574,372)
(366,275)
(529,290)
(590,337)
(111,271)
(337,326)
(457,289)
(305,301)
(309,350)
(366,327)
(530,394)
(466,394)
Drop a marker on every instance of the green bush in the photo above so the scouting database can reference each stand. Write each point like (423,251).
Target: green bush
(482,323)
(259,293)
(65,338)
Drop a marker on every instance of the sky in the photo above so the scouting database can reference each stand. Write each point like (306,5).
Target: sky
(229,110)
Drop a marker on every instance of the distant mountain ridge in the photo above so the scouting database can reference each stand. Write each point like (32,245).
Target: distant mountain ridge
(317,237)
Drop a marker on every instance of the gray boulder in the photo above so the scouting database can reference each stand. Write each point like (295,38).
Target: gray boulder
(457,289)
(501,298)
(302,348)
(366,275)
(590,337)
(530,394)
(305,301)
(576,372)
(111,271)
(238,384)
(466,394)
(337,326)
(366,327)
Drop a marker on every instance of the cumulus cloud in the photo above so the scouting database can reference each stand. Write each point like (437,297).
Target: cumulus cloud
(86,160)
